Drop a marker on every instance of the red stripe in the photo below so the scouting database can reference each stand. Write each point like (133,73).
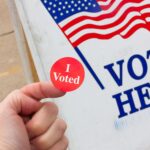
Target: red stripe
(111,35)
(101,17)
(125,14)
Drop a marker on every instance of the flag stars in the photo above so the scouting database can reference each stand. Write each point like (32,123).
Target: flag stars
(45,1)
(55,17)
(61,9)
(72,2)
(54,5)
(89,4)
(60,3)
(61,14)
(75,5)
(94,5)
(50,3)
(86,8)
(53,11)
(69,6)
(66,2)
(67,12)
(82,4)
(79,8)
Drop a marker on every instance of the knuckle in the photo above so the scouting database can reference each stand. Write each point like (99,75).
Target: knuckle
(39,142)
(65,142)
(15,97)
(34,126)
(16,94)
(52,108)
(61,125)
(61,145)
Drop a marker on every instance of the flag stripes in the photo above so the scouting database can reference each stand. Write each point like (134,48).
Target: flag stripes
(118,17)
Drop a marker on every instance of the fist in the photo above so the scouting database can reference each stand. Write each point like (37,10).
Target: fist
(28,124)
(46,130)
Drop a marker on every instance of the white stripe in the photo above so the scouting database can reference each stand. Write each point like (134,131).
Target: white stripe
(103,32)
(97,31)
(66,21)
(132,25)
(148,19)
(103,22)
(145,10)
(104,3)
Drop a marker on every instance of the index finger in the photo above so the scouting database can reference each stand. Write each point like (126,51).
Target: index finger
(42,90)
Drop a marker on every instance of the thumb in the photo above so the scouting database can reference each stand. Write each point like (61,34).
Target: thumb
(20,103)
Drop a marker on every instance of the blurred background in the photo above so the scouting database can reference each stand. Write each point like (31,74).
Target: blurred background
(12,75)
(11,72)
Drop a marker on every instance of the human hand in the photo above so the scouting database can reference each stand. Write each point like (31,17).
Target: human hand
(28,124)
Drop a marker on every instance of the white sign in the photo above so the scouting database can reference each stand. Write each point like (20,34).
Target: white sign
(111,38)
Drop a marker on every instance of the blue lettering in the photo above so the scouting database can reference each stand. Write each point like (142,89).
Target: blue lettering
(131,69)
(143,92)
(121,103)
(118,78)
(143,95)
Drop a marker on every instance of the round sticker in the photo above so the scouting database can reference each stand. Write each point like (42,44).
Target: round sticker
(67,74)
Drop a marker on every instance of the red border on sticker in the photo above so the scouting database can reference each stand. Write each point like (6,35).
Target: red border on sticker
(67,74)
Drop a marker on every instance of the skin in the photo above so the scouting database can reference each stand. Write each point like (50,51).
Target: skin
(28,124)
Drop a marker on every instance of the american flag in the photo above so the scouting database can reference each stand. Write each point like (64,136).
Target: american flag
(81,20)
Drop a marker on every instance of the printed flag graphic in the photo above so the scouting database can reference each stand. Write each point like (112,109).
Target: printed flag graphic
(81,20)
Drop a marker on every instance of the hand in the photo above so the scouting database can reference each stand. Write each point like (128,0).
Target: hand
(28,124)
